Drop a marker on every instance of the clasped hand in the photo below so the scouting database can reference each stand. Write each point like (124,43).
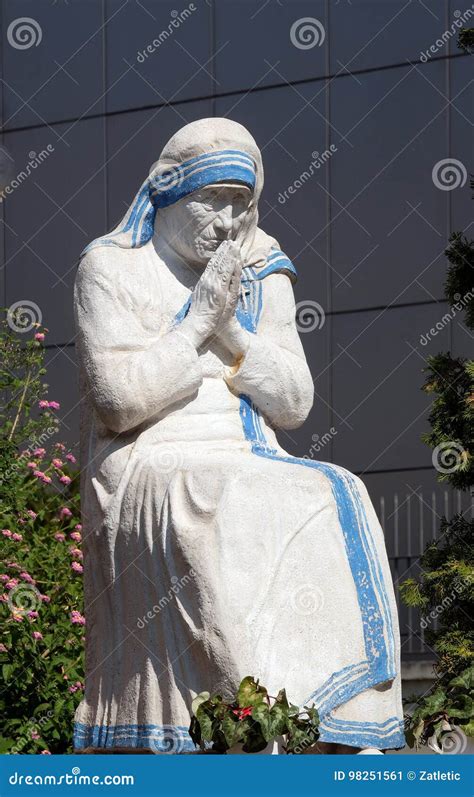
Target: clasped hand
(214,301)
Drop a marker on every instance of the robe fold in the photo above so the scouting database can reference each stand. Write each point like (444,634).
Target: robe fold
(211,553)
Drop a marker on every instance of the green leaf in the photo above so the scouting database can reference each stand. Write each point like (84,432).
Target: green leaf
(205,723)
(278,720)
(195,731)
(465,680)
(231,730)
(250,693)
(468,728)
(434,703)
(254,741)
(6,745)
(282,698)
(200,698)
(261,715)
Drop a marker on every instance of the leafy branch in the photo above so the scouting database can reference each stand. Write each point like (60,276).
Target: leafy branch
(253,719)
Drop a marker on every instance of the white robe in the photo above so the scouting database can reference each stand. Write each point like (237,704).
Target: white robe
(210,553)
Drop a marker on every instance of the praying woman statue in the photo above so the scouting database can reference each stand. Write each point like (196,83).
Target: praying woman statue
(210,553)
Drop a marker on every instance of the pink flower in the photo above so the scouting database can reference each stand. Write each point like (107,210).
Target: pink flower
(32,514)
(76,536)
(65,512)
(78,527)
(17,537)
(60,446)
(33,615)
(43,405)
(71,458)
(54,405)
(42,476)
(39,336)
(26,577)
(77,567)
(59,536)
(3,649)
(3,598)
(34,734)
(75,687)
(45,598)
(57,463)
(6,532)
(65,480)
(45,752)
(4,577)
(32,465)
(39,452)
(37,635)
(13,582)
(18,618)
(77,618)
(76,552)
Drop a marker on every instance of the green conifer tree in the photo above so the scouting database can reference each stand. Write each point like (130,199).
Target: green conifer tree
(445,591)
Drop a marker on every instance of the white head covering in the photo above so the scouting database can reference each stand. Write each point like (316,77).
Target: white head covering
(204,152)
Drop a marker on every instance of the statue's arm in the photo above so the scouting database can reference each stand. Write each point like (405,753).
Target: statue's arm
(274,372)
(133,371)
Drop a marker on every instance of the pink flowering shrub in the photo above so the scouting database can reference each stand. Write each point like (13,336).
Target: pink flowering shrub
(41,591)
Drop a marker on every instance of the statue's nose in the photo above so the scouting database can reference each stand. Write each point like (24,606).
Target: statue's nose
(223,220)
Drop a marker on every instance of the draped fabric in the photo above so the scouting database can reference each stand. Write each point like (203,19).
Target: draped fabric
(210,552)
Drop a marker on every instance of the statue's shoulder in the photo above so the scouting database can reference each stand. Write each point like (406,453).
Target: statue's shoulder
(100,263)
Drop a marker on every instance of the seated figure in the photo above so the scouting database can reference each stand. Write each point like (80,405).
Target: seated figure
(210,553)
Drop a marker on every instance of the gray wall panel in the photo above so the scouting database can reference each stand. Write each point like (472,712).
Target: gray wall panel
(389,220)
(178,64)
(268,43)
(61,76)
(371,33)
(376,371)
(52,215)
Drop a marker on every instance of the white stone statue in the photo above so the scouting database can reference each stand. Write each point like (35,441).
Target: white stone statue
(211,553)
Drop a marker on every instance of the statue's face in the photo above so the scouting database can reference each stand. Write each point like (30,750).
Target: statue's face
(196,225)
